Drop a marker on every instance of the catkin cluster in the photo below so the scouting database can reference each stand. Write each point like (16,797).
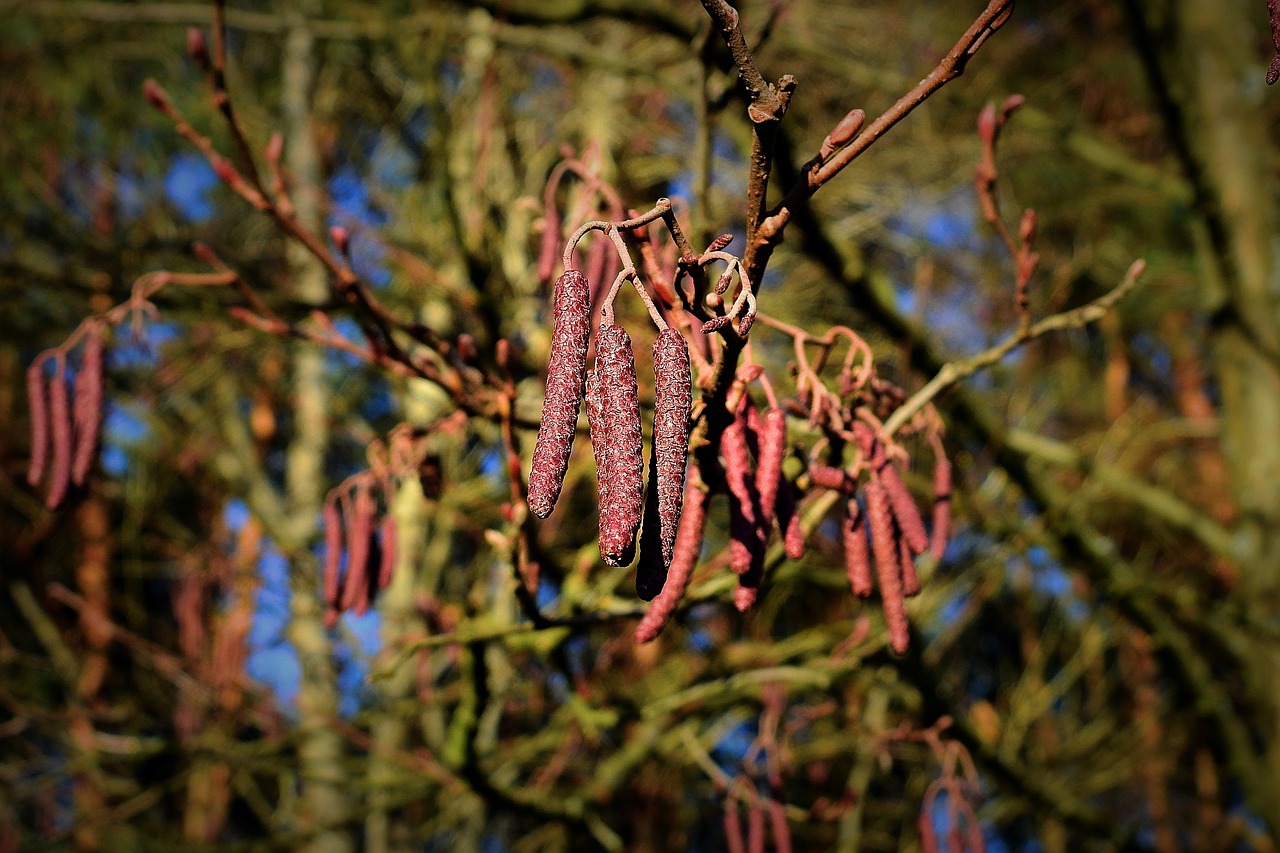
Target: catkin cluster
(613,414)
(350,515)
(66,422)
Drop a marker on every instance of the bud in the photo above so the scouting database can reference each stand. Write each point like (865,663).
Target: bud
(843,133)
(1027,227)
(566,377)
(196,48)
(340,238)
(155,95)
(987,124)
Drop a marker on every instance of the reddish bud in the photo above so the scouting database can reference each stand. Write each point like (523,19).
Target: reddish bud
(155,95)
(467,348)
(196,47)
(38,402)
(613,409)
(340,238)
(566,377)
(60,420)
(857,553)
(1010,106)
(987,124)
(88,404)
(685,557)
(1027,227)
(843,133)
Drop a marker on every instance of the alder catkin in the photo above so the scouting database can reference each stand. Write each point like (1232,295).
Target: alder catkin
(359,532)
(903,505)
(332,552)
(614,401)
(907,562)
(857,553)
(789,521)
(941,505)
(673,397)
(60,424)
(388,542)
(773,444)
(744,501)
(39,404)
(88,405)
(566,377)
(888,572)
(683,560)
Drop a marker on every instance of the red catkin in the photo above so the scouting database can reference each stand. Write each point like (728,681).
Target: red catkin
(732,827)
(941,505)
(685,557)
(332,552)
(566,377)
(39,405)
(773,443)
(888,572)
(88,405)
(614,401)
(744,597)
(778,825)
(907,562)
(673,397)
(903,505)
(857,553)
(830,477)
(745,542)
(60,420)
(387,539)
(359,531)
(755,827)
(789,521)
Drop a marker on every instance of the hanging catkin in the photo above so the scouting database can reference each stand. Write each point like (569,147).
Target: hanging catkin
(744,502)
(773,443)
(60,422)
(673,384)
(332,552)
(687,550)
(387,543)
(566,376)
(888,572)
(941,503)
(857,553)
(359,532)
(88,404)
(39,405)
(900,500)
(789,521)
(613,400)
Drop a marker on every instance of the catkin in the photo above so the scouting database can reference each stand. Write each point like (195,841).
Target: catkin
(888,572)
(773,443)
(789,521)
(39,404)
(332,552)
(614,401)
(359,530)
(387,539)
(744,533)
(685,557)
(673,397)
(941,505)
(566,377)
(857,553)
(900,500)
(60,419)
(88,404)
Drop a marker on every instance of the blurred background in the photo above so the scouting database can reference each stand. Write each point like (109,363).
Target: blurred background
(1095,660)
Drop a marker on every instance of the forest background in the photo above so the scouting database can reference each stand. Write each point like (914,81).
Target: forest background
(1094,662)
